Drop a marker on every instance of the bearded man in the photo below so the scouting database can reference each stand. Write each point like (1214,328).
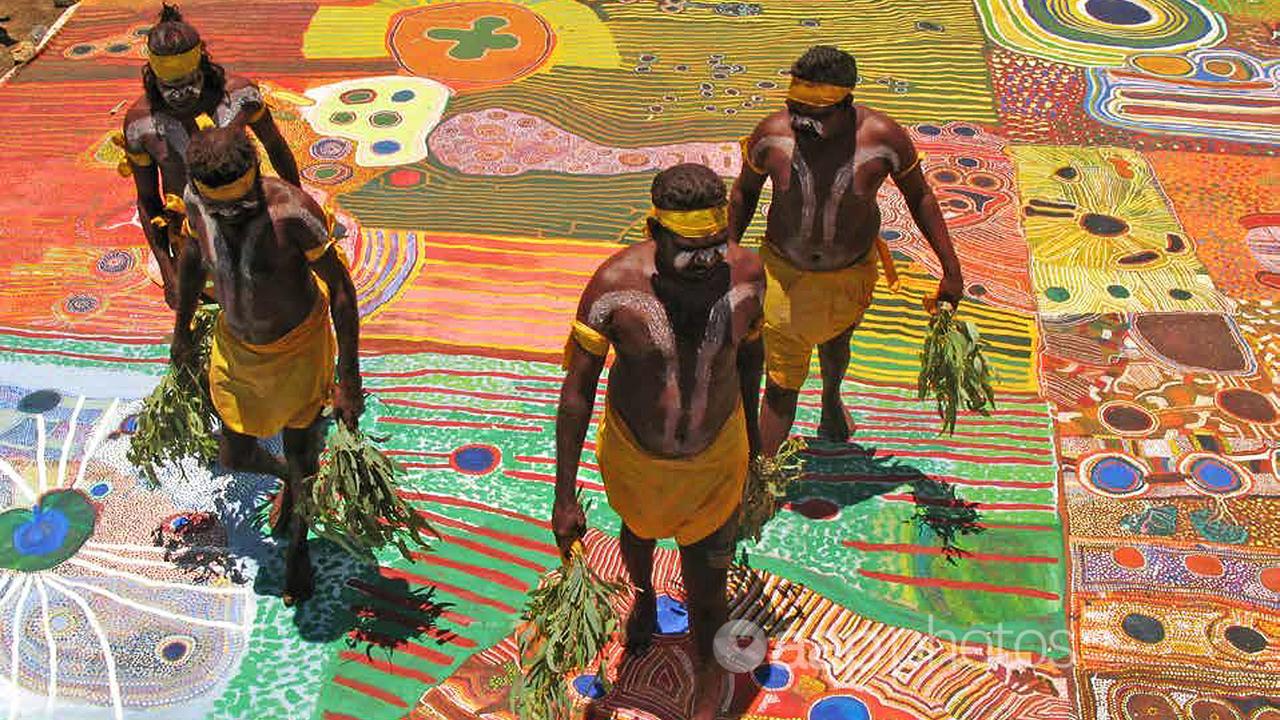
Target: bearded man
(283,290)
(184,91)
(827,157)
(681,311)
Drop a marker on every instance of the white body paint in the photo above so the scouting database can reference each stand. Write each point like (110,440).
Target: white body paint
(654,317)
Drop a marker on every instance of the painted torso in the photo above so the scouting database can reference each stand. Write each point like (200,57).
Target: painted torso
(262,277)
(164,136)
(645,385)
(824,215)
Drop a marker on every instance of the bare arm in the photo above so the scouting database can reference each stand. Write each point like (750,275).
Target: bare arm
(926,213)
(190,282)
(346,315)
(573,417)
(277,149)
(146,180)
(744,198)
(750,373)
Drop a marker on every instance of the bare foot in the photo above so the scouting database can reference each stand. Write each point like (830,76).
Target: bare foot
(708,691)
(642,622)
(299,581)
(837,424)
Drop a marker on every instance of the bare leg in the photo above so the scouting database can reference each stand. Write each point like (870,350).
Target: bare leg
(302,450)
(637,555)
(837,424)
(705,567)
(242,453)
(776,417)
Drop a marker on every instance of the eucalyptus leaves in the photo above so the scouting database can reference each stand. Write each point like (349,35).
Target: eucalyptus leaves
(953,369)
(767,483)
(568,620)
(353,501)
(177,418)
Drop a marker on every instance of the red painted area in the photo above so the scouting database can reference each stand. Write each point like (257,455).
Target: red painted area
(932,550)
(960,585)
(369,690)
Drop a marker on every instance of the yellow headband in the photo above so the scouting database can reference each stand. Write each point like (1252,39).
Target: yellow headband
(176,67)
(693,223)
(816,94)
(233,190)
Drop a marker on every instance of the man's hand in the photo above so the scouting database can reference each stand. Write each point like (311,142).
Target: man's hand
(568,522)
(951,289)
(348,404)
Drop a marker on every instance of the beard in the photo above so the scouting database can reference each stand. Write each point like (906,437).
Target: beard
(688,301)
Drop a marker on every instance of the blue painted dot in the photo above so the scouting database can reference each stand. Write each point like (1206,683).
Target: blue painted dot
(1116,476)
(890,234)
(929,130)
(386,147)
(42,534)
(475,459)
(966,131)
(174,651)
(840,707)
(772,676)
(589,686)
(966,162)
(39,402)
(100,490)
(1117,12)
(402,95)
(673,616)
(1216,476)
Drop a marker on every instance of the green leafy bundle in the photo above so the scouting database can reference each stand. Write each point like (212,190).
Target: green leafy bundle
(177,418)
(353,500)
(568,620)
(767,483)
(953,369)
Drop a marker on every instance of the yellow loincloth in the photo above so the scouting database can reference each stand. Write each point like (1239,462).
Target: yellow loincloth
(804,308)
(688,498)
(259,389)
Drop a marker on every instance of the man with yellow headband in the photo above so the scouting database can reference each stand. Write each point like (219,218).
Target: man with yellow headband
(682,312)
(826,157)
(184,90)
(272,365)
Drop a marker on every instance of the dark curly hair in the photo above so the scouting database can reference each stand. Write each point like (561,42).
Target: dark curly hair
(688,186)
(828,65)
(170,36)
(218,156)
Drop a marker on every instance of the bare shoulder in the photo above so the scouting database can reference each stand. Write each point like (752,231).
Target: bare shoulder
(289,204)
(279,191)
(137,121)
(140,108)
(877,125)
(239,82)
(627,269)
(774,124)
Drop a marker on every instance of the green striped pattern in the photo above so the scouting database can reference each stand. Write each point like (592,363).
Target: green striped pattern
(945,73)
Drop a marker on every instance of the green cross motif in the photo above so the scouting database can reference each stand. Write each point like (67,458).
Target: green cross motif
(473,44)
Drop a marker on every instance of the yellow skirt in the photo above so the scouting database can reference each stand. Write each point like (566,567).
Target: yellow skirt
(804,308)
(688,498)
(260,389)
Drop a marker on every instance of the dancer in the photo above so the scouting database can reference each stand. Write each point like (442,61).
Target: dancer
(272,364)
(682,312)
(184,89)
(827,156)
